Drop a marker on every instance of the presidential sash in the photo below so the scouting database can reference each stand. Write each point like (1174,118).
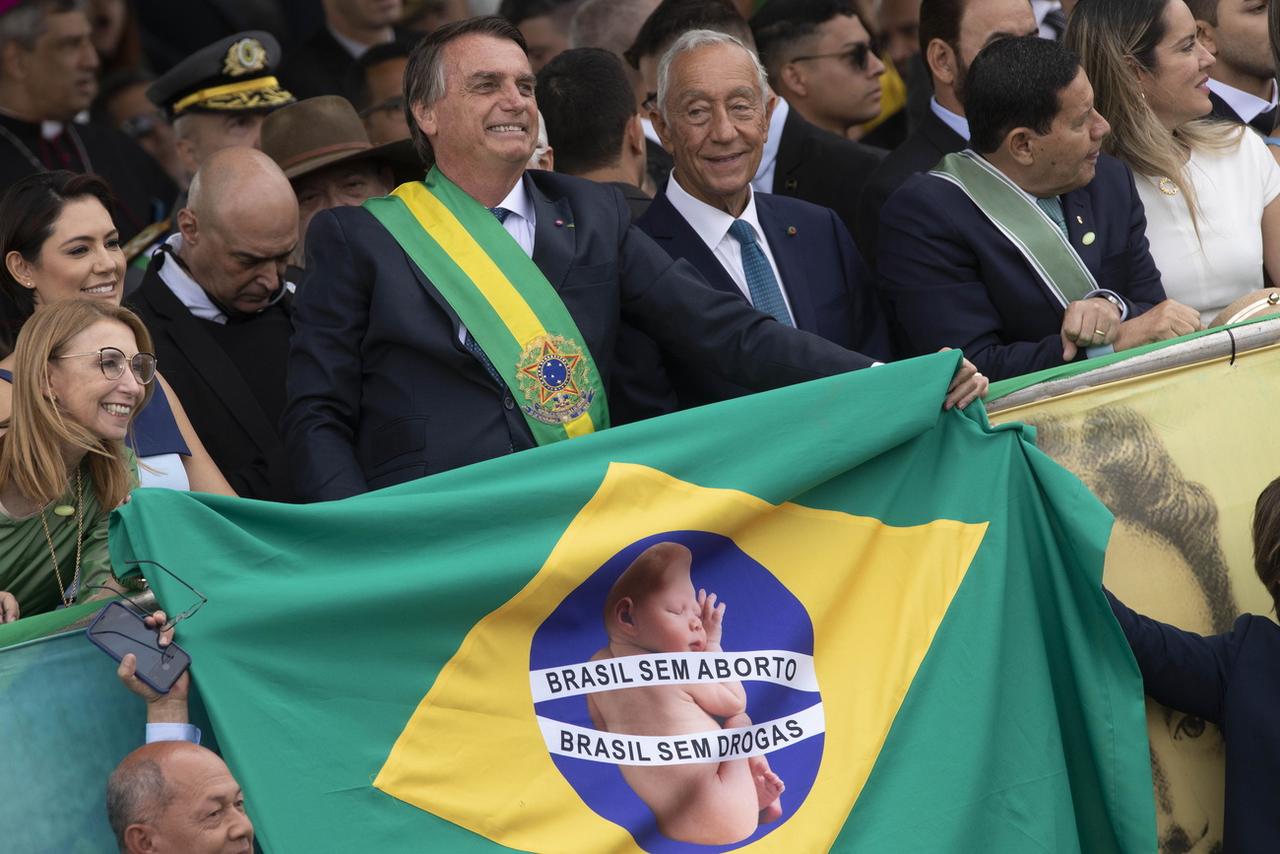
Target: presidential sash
(505,302)
(1021,220)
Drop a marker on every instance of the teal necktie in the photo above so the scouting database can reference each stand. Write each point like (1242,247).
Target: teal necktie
(766,295)
(1053,207)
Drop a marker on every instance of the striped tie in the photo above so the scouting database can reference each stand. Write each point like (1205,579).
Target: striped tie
(766,296)
(1053,208)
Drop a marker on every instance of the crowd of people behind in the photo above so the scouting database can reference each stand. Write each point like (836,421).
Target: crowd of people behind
(298,251)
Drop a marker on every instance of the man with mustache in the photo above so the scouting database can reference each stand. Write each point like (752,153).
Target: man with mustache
(1028,249)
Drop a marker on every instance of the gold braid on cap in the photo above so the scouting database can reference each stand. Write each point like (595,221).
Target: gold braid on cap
(244,95)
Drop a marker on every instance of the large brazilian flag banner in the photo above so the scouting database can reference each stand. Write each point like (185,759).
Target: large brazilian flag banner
(827,617)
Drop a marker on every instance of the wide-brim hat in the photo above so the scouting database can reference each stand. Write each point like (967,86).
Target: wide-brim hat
(1252,305)
(324,131)
(235,74)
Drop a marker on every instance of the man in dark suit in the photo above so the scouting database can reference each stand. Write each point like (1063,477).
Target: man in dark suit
(321,65)
(588,107)
(949,265)
(761,248)
(952,32)
(1242,82)
(48,75)
(212,300)
(800,160)
(387,383)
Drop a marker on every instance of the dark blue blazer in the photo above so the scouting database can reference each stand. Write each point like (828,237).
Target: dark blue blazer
(1233,681)
(951,279)
(381,390)
(831,291)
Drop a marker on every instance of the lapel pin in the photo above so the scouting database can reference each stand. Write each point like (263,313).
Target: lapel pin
(1088,238)
(1080,220)
(559,223)
(791,231)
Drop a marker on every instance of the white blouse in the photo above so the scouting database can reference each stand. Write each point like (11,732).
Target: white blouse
(1224,263)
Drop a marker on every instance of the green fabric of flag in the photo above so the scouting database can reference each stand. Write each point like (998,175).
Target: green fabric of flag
(913,598)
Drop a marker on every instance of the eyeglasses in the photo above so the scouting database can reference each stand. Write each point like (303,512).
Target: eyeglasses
(112,362)
(857,56)
(650,102)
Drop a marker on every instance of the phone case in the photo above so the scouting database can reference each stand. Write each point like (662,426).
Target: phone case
(118,631)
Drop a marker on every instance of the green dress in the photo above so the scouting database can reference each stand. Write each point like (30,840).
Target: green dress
(26,567)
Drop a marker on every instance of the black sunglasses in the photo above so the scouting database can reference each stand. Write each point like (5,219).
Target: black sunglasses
(857,56)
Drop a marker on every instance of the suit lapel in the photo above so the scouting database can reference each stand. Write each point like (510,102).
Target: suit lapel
(1078,208)
(555,239)
(793,151)
(208,359)
(786,253)
(942,137)
(678,239)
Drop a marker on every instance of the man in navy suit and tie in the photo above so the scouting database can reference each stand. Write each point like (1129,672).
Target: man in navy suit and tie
(475,313)
(787,257)
(1029,249)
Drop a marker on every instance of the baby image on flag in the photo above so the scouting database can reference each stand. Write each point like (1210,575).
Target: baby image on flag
(664,730)
(652,608)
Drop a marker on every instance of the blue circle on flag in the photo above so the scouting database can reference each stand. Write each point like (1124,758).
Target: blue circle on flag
(761,614)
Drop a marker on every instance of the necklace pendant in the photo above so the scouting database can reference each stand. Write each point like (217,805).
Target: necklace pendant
(1168,187)
(63,510)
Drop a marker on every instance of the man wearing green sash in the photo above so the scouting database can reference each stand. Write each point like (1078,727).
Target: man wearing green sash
(1029,249)
(477,312)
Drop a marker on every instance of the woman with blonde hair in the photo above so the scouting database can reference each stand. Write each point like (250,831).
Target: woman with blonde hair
(82,371)
(1209,188)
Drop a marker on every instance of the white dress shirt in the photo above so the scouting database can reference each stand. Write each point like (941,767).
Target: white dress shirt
(712,225)
(173,732)
(186,289)
(1041,8)
(763,182)
(1248,107)
(957,123)
(649,132)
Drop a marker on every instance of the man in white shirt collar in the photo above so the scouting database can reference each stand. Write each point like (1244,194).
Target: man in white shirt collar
(713,116)
(237,232)
(786,257)
(1242,81)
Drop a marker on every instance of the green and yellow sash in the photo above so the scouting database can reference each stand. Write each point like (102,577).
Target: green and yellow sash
(1022,221)
(504,300)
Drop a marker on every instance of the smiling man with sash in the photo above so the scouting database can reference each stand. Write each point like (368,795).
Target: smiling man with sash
(1029,249)
(477,312)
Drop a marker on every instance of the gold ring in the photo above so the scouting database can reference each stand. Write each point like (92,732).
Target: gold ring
(1098,333)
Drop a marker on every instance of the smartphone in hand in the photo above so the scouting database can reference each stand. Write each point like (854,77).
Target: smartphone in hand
(118,631)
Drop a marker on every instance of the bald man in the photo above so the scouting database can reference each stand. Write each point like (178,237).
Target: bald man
(173,795)
(217,304)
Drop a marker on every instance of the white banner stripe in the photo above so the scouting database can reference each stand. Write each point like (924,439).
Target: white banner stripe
(564,739)
(782,667)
